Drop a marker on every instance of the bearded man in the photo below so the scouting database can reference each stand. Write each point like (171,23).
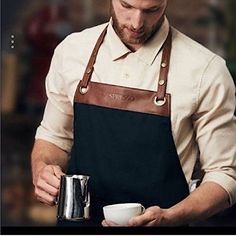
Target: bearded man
(133,104)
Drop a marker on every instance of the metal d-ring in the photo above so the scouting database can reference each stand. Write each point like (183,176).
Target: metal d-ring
(159,103)
(83,90)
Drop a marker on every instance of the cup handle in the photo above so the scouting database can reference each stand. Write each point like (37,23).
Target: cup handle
(143,209)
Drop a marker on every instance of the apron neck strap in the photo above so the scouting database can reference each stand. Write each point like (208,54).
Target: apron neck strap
(89,69)
(164,67)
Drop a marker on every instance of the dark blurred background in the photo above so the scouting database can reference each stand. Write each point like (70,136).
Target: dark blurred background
(30,30)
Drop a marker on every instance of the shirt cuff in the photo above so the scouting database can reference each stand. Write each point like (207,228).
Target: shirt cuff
(62,143)
(225,181)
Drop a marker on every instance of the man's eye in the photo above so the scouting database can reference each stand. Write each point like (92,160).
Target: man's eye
(126,6)
(151,10)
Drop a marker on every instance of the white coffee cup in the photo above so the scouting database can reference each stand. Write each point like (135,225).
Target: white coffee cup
(121,213)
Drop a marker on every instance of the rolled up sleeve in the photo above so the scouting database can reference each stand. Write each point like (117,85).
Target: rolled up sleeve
(215,126)
(56,126)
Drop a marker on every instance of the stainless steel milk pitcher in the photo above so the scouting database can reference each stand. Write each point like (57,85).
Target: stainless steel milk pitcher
(74,198)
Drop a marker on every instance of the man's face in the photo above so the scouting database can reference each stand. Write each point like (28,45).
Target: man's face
(135,21)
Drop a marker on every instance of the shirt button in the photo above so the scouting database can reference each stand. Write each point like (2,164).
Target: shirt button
(161,82)
(126,76)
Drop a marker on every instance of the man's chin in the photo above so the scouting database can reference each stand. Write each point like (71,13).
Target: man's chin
(130,39)
(135,41)
(133,36)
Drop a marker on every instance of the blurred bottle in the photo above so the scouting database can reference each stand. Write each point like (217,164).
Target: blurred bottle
(9,82)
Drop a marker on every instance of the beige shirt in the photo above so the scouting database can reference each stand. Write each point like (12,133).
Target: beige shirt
(202,91)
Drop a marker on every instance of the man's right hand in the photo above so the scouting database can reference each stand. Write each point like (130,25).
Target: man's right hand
(47,183)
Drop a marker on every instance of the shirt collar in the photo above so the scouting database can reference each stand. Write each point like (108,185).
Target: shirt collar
(150,50)
(118,49)
(147,53)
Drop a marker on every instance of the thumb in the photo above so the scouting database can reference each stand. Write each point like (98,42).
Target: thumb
(58,172)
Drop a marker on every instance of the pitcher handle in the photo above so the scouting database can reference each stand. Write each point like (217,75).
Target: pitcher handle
(56,200)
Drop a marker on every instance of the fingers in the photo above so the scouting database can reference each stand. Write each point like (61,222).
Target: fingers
(58,172)
(47,184)
(49,176)
(149,218)
(44,197)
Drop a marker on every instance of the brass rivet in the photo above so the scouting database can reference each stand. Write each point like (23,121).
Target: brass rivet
(89,71)
(83,90)
(163,64)
(161,82)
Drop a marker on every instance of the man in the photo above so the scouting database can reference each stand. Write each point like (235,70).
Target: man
(148,102)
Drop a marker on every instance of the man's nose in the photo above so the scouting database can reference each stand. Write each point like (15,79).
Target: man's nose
(137,20)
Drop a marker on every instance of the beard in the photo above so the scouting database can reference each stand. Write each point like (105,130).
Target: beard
(138,37)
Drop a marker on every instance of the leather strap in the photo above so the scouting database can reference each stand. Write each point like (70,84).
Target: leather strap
(89,69)
(164,67)
(163,75)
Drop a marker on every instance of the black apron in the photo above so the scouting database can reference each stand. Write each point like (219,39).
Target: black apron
(123,141)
